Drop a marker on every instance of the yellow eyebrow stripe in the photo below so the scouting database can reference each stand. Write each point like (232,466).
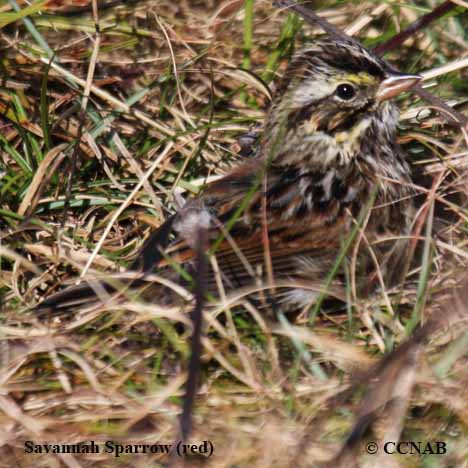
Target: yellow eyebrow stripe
(360,78)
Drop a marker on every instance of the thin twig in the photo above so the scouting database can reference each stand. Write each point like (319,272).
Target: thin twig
(452,116)
(196,347)
(193,377)
(311,17)
(414,27)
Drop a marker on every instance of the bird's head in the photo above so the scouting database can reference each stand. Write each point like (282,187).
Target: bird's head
(334,94)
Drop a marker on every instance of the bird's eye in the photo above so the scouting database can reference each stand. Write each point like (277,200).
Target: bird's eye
(345,91)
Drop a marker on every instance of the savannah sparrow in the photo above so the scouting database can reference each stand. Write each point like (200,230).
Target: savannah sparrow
(328,146)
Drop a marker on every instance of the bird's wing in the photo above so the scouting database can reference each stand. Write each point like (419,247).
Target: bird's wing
(255,227)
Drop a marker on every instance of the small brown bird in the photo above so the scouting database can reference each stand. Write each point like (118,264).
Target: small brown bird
(327,149)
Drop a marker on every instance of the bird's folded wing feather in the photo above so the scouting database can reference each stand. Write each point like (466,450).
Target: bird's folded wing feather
(299,244)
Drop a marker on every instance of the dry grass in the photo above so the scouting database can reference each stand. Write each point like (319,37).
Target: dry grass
(156,100)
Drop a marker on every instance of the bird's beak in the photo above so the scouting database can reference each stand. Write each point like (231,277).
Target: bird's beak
(395,83)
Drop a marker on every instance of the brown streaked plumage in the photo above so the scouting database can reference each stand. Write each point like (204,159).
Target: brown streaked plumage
(328,143)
